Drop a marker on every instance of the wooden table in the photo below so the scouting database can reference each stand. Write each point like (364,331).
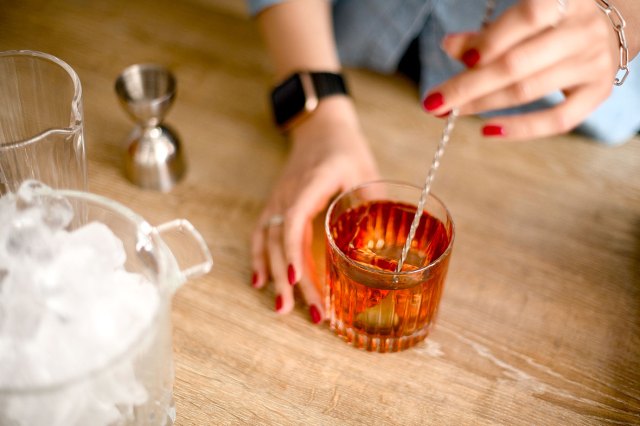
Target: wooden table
(540,319)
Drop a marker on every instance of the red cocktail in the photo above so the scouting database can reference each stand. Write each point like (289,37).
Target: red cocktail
(368,303)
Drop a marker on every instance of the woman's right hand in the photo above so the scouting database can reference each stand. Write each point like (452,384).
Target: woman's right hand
(329,154)
(535,48)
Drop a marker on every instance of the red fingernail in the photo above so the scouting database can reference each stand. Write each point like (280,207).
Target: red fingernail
(314,312)
(291,274)
(433,101)
(471,57)
(493,130)
(445,115)
(254,279)
(278,302)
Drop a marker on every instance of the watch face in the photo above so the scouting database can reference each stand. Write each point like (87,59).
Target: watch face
(288,99)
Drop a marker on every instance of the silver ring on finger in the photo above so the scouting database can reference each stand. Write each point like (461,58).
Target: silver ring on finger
(275,220)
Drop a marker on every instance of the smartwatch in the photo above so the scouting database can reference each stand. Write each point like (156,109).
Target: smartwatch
(299,95)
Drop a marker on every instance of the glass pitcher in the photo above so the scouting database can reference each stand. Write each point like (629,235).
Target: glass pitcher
(41,122)
(133,386)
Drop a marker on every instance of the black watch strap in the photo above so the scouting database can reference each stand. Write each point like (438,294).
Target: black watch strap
(328,83)
(298,95)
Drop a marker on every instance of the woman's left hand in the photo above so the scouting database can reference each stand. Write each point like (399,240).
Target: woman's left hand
(535,48)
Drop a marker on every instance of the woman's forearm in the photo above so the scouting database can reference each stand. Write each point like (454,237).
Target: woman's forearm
(299,36)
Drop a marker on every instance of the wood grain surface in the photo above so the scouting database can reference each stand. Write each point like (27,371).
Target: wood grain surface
(540,319)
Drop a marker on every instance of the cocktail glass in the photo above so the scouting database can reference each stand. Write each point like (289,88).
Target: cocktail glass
(370,305)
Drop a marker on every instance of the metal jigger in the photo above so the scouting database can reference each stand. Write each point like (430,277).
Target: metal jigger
(153,159)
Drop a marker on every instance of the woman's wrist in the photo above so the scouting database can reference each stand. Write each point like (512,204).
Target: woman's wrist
(630,11)
(332,112)
(619,27)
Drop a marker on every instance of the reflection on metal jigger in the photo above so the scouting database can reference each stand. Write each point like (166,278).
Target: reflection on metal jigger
(153,158)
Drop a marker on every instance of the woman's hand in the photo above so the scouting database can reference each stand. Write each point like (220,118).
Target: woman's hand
(329,154)
(533,49)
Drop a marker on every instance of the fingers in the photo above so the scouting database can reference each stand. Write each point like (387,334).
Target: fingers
(535,48)
(530,58)
(278,263)
(558,119)
(309,285)
(310,202)
(258,257)
(281,250)
(269,238)
(269,261)
(298,237)
(527,90)
(457,43)
(519,23)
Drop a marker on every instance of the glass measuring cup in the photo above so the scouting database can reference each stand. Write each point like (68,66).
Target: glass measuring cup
(134,386)
(41,122)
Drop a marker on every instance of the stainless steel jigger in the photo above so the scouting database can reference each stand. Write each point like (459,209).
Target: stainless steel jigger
(153,159)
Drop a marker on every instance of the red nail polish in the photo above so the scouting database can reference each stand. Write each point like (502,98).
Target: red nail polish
(433,101)
(314,312)
(254,279)
(493,130)
(445,115)
(278,302)
(471,57)
(291,274)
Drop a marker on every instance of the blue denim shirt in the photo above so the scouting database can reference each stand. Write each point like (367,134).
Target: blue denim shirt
(375,34)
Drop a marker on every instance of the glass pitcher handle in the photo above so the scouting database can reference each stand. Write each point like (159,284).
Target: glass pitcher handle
(183,247)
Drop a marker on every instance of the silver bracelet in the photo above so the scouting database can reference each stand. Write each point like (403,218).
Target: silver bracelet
(618,23)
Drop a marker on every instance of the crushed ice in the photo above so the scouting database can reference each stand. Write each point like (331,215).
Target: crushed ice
(67,307)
